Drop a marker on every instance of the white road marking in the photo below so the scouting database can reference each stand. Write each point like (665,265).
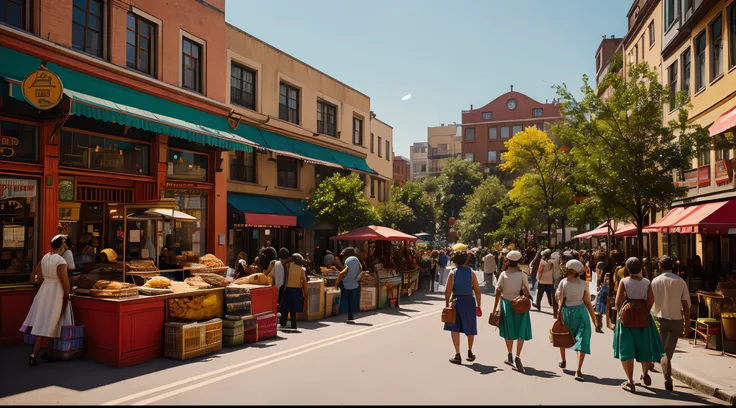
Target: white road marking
(269,360)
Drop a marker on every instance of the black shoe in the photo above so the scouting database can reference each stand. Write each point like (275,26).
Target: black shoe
(519,366)
(32,361)
(471,356)
(598,330)
(457,359)
(668,385)
(510,359)
(562,364)
(351,317)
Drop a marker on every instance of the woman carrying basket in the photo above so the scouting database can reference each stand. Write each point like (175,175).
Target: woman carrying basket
(636,335)
(574,296)
(512,285)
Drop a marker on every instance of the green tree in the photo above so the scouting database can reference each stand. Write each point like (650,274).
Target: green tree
(518,222)
(340,201)
(544,186)
(480,215)
(455,185)
(396,215)
(623,151)
(419,202)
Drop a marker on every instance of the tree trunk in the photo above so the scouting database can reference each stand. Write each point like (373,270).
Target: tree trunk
(549,234)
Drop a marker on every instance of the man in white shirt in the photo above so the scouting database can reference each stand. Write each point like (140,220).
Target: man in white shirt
(671,302)
(489,267)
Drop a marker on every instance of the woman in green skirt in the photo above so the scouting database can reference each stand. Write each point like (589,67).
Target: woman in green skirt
(574,296)
(642,344)
(511,283)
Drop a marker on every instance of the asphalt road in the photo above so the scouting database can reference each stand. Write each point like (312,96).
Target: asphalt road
(386,357)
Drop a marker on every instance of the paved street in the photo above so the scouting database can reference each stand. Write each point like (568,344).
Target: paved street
(394,356)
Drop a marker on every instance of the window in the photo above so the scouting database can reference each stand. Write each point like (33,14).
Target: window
(326,118)
(732,35)
(700,61)
(651,33)
(716,48)
(189,235)
(470,156)
(492,156)
(487,115)
(470,134)
(187,165)
(243,86)
(87,26)
(289,103)
(373,187)
(358,132)
(322,173)
(723,154)
(685,83)
(243,166)
(636,53)
(93,152)
(191,61)
(388,150)
(380,140)
(373,141)
(505,132)
(516,129)
(288,170)
(140,41)
(672,73)
(19,223)
(537,112)
(23,138)
(670,12)
(424,168)
(492,133)
(704,157)
(13,12)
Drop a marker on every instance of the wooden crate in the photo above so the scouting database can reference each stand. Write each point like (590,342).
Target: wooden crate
(316,304)
(368,299)
(188,340)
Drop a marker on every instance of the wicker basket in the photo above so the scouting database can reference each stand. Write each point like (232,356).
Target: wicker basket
(189,340)
(560,336)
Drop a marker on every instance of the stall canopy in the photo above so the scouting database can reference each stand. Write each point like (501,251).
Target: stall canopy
(374,233)
(600,231)
(710,218)
(271,211)
(627,230)
(724,122)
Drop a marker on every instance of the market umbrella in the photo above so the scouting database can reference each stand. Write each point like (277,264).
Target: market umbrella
(374,233)
(424,236)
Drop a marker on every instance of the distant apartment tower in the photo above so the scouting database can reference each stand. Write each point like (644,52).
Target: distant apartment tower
(418,158)
(486,129)
(444,143)
(609,48)
(402,170)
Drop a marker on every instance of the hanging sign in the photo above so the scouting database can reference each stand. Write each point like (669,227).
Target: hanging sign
(43,89)
(14,188)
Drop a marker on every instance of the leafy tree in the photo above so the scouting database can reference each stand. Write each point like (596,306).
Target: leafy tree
(396,215)
(480,215)
(419,202)
(518,222)
(623,151)
(544,186)
(340,201)
(455,185)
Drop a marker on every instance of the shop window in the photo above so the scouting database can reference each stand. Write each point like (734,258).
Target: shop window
(243,166)
(18,208)
(185,165)
(18,142)
(86,151)
(288,172)
(188,235)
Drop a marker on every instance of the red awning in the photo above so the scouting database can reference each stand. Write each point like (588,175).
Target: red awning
(374,233)
(669,220)
(711,218)
(628,230)
(724,122)
(270,220)
(601,231)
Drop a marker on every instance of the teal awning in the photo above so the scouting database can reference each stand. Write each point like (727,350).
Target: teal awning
(252,203)
(103,100)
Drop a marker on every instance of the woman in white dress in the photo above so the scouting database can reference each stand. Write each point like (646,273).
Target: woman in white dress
(50,303)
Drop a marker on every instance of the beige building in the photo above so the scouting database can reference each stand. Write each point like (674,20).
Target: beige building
(643,41)
(313,126)
(443,143)
(419,160)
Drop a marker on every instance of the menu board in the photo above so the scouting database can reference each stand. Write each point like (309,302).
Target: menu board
(14,236)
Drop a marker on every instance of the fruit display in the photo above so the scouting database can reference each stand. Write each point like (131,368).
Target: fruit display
(211,261)
(158,282)
(196,307)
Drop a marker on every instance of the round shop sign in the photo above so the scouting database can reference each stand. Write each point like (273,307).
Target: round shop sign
(43,89)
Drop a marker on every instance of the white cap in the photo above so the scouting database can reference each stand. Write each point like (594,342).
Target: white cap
(514,256)
(575,265)
(503,251)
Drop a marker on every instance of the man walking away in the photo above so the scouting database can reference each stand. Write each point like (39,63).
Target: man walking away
(442,262)
(671,302)
(489,267)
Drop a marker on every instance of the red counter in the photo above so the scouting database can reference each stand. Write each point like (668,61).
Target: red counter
(262,298)
(14,307)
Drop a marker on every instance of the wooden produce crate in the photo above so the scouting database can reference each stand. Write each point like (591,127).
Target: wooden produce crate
(368,299)
(188,340)
(330,295)
(316,303)
(265,328)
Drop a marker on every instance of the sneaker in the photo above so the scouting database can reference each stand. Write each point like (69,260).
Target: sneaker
(471,356)
(457,359)
(519,366)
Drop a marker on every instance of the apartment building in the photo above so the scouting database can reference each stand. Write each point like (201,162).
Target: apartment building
(402,170)
(605,61)
(419,160)
(444,142)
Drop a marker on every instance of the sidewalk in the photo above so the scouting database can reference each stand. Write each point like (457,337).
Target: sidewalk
(705,370)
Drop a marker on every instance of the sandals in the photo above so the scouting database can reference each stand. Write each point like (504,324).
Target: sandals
(628,386)
(646,379)
(519,366)
(457,359)
(510,360)
(579,376)
(562,364)
(471,356)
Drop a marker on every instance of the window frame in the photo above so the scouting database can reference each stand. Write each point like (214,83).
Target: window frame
(388,149)
(373,187)
(700,74)
(380,146)
(472,156)
(686,60)
(652,37)
(105,137)
(359,129)
(101,32)
(240,164)
(731,25)
(714,49)
(672,84)
(513,129)
(243,71)
(487,115)
(373,142)
(280,160)
(199,66)
(535,110)
(493,130)
(469,135)
(152,39)
(495,154)
(323,118)
(296,111)
(24,14)
(508,132)
(670,13)
(704,154)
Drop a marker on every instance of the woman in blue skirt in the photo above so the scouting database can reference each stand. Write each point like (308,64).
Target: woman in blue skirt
(511,283)
(574,296)
(642,344)
(462,284)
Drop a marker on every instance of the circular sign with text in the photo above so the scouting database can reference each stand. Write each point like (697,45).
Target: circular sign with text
(43,89)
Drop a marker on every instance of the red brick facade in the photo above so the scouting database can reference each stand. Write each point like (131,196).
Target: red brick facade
(486,129)
(402,170)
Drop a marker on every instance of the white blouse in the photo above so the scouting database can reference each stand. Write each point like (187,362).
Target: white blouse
(510,283)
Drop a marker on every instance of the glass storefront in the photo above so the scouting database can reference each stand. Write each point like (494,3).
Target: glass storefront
(185,165)
(18,224)
(189,235)
(87,151)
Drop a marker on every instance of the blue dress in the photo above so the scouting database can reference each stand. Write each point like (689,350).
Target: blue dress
(600,299)
(466,321)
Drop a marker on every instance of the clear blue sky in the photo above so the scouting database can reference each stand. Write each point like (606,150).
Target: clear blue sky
(447,54)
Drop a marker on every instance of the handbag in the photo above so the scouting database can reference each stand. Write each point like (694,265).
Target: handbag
(495,318)
(560,336)
(634,313)
(522,303)
(449,315)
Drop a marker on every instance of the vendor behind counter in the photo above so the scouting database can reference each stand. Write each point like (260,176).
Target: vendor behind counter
(105,267)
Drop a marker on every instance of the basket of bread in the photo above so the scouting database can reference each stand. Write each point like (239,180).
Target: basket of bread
(113,289)
(158,285)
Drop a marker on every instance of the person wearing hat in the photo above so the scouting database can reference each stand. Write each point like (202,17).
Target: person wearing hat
(348,283)
(545,277)
(671,304)
(44,319)
(642,344)
(462,284)
(277,271)
(295,293)
(513,326)
(574,296)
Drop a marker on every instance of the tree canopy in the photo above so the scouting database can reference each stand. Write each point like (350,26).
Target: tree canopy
(480,215)
(340,201)
(455,185)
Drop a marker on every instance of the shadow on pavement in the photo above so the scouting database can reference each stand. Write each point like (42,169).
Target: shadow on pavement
(539,373)
(483,369)
(354,323)
(670,395)
(602,381)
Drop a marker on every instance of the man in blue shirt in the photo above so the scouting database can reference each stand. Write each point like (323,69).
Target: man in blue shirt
(442,272)
(347,281)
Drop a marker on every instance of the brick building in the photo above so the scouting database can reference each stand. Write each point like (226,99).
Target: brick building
(402,170)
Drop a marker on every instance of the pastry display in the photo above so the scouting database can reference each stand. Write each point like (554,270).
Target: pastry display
(211,261)
(158,282)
